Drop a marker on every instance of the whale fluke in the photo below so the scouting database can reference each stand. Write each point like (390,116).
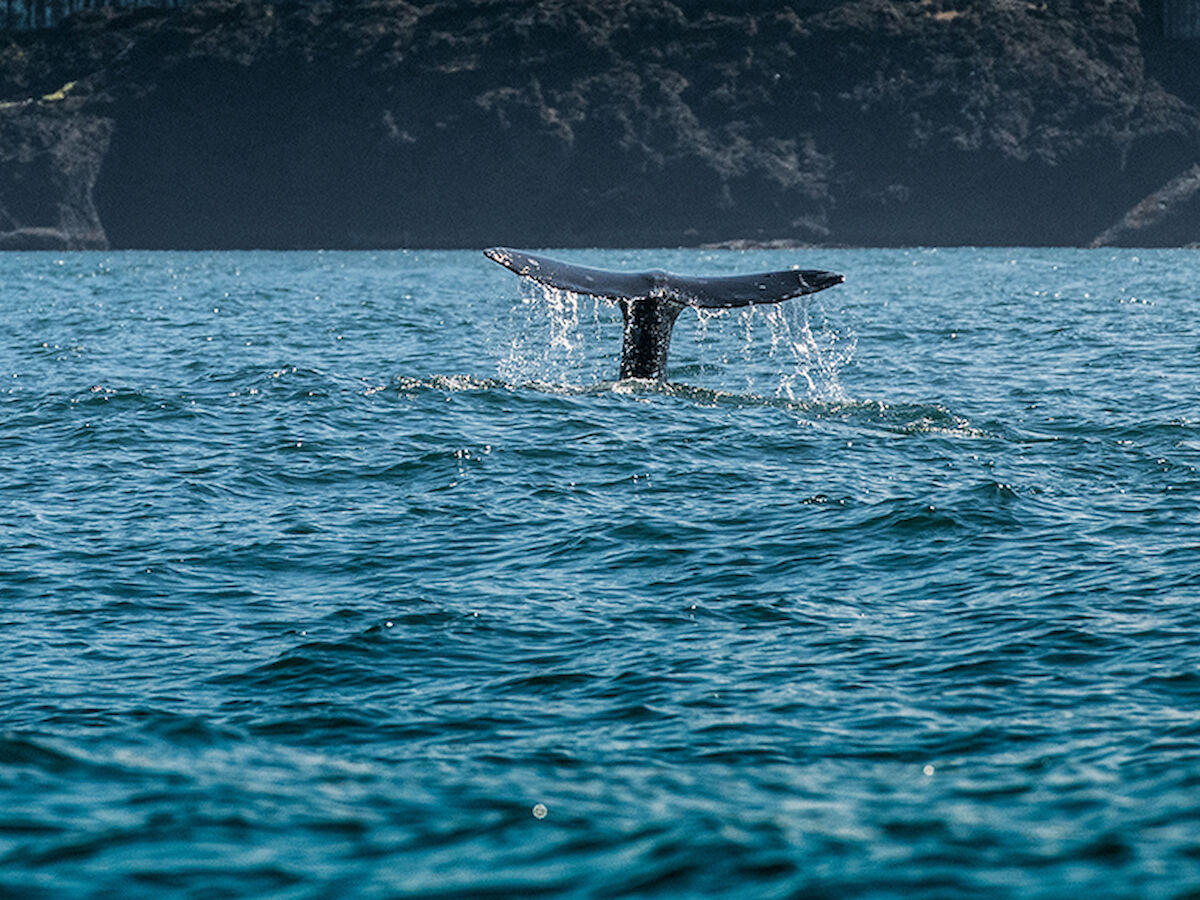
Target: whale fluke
(651,301)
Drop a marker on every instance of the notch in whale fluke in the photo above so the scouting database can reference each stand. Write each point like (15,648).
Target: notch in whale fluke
(651,301)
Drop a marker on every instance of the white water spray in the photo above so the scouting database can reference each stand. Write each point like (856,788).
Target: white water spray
(781,350)
(559,337)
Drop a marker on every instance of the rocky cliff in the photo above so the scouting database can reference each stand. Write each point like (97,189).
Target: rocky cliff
(580,122)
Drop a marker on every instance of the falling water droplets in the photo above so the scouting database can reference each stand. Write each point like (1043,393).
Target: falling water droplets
(786,350)
(560,337)
(815,356)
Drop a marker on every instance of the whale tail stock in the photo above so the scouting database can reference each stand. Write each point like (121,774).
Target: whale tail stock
(651,301)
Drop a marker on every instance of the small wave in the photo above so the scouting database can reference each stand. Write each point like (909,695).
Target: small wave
(899,418)
(363,656)
(107,399)
(876,415)
(988,505)
(295,381)
(183,729)
(99,395)
(895,418)
(84,412)
(19,751)
(448,384)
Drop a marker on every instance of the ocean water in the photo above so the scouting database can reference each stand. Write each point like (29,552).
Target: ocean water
(356,575)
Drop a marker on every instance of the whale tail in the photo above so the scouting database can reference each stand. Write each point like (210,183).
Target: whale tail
(651,301)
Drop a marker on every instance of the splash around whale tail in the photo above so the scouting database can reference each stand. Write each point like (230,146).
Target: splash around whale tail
(651,301)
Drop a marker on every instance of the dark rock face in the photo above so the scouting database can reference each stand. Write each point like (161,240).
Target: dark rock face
(49,162)
(577,122)
(1170,217)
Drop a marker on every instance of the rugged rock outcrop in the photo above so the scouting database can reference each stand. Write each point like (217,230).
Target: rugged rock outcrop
(568,122)
(49,162)
(1169,217)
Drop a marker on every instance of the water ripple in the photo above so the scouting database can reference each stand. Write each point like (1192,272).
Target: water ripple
(313,588)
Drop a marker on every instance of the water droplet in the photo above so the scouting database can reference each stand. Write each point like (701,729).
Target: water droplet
(539,811)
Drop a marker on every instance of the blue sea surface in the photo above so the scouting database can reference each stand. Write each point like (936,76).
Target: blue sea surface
(356,575)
